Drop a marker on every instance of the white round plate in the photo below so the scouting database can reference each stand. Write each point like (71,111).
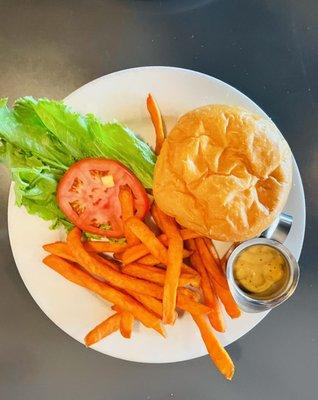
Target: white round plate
(122,96)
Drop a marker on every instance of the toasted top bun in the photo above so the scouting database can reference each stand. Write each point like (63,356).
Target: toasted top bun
(223,172)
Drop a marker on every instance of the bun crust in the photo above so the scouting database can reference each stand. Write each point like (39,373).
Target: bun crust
(223,172)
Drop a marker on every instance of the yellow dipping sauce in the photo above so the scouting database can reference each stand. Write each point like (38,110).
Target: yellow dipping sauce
(260,269)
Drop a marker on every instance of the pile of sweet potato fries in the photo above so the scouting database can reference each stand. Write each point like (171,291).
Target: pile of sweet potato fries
(149,277)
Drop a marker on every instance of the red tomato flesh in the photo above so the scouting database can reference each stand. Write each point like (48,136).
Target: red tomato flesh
(88,196)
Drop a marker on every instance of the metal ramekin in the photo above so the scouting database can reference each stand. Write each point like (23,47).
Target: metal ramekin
(273,237)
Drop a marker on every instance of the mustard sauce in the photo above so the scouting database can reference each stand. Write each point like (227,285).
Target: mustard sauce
(260,269)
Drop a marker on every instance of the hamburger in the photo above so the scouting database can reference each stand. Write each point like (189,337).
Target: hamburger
(223,172)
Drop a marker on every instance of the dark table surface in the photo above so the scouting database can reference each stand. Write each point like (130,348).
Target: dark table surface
(268,50)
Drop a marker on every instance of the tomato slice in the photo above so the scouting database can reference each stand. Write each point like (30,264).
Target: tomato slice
(88,195)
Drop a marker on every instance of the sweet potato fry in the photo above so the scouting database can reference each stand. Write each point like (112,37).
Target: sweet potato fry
(185,254)
(126,324)
(146,236)
(192,294)
(157,275)
(149,259)
(106,262)
(134,253)
(124,301)
(168,223)
(104,329)
(165,241)
(218,354)
(103,247)
(155,216)
(210,263)
(156,119)
(60,249)
(185,234)
(95,267)
(210,246)
(174,256)
(140,250)
(227,300)
(210,297)
(172,277)
(126,199)
(224,292)
(149,302)
(122,281)
(147,272)
(187,303)
(189,270)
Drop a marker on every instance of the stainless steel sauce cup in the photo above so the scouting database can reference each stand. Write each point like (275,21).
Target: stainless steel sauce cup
(274,236)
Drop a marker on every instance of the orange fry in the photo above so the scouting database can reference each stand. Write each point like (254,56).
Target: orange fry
(210,297)
(189,270)
(116,308)
(172,277)
(125,282)
(134,253)
(140,250)
(104,329)
(106,262)
(155,216)
(124,301)
(149,259)
(189,305)
(146,236)
(60,249)
(185,234)
(218,354)
(95,267)
(168,223)
(222,291)
(227,300)
(192,294)
(164,239)
(153,261)
(126,324)
(157,275)
(156,119)
(149,302)
(209,244)
(210,263)
(126,199)
(103,247)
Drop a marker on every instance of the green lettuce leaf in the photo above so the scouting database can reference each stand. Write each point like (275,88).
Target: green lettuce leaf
(33,138)
(40,139)
(35,184)
(87,136)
